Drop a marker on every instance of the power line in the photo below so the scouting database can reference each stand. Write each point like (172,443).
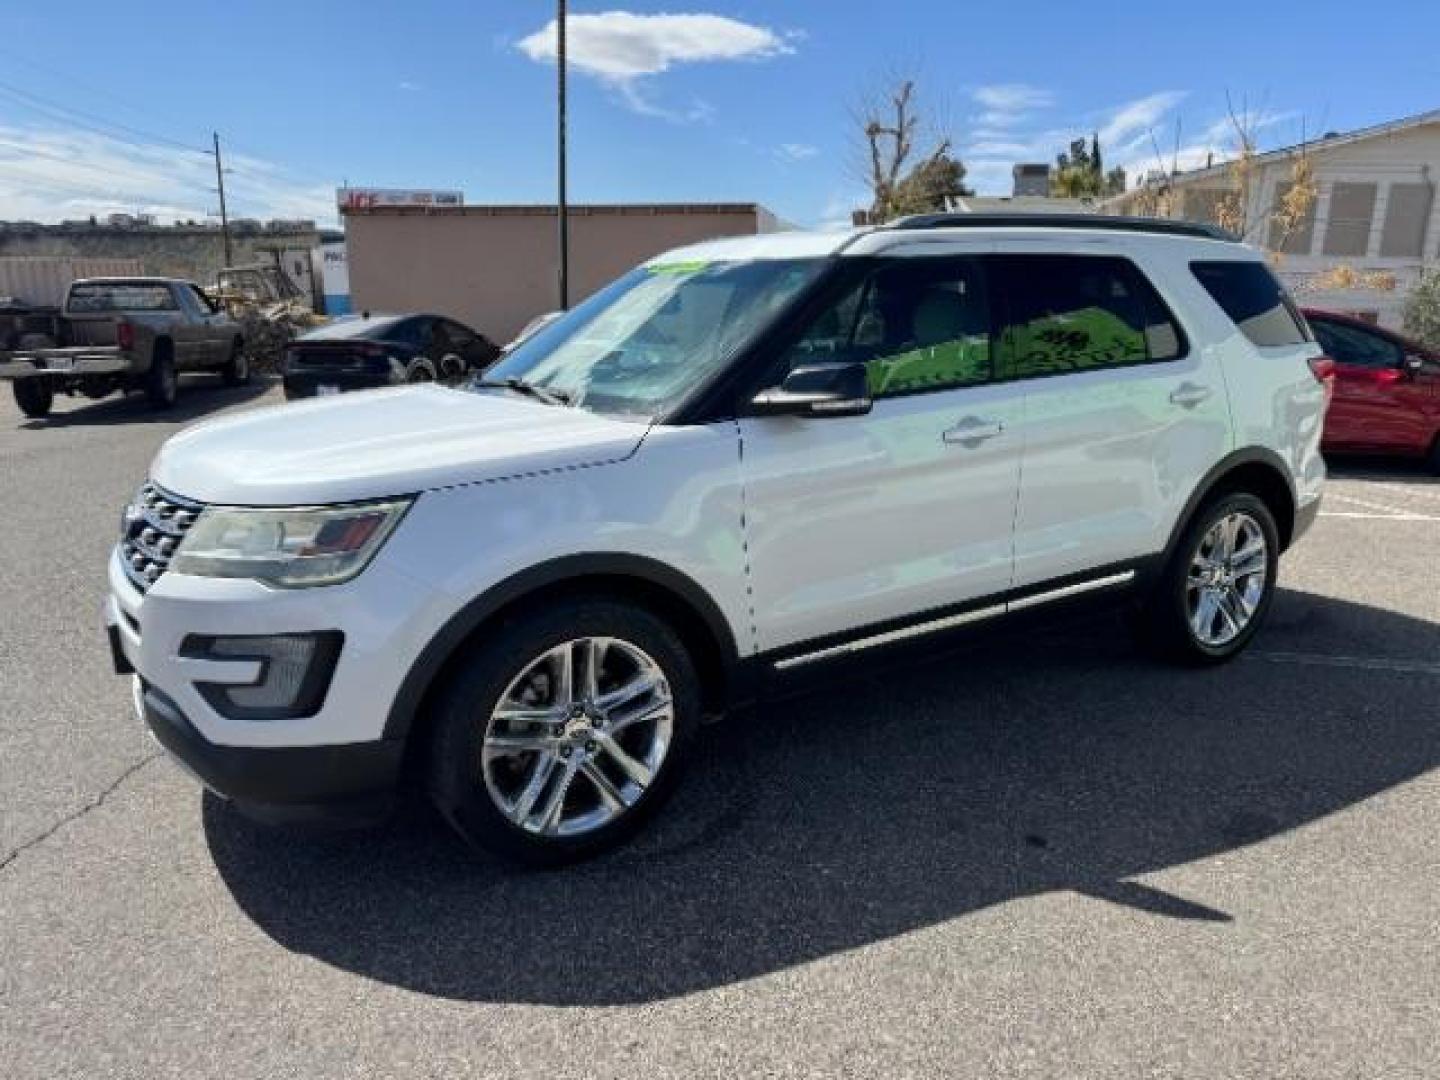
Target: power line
(58,111)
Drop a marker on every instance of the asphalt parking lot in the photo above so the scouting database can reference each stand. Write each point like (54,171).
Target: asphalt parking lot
(1050,858)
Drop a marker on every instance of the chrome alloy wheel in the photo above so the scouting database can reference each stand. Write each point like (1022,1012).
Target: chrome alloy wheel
(1227,579)
(578,736)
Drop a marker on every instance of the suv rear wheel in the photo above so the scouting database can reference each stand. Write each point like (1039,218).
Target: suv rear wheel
(564,731)
(1218,586)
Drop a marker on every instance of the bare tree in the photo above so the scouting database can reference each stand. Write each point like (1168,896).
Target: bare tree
(892,128)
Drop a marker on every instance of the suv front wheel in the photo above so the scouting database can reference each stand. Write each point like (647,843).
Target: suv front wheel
(1218,586)
(564,730)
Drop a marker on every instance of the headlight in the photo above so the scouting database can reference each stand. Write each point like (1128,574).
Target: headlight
(288,548)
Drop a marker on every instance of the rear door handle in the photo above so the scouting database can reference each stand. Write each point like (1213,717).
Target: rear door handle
(1187,395)
(972,431)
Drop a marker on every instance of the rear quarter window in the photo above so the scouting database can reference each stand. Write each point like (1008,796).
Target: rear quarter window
(1255,301)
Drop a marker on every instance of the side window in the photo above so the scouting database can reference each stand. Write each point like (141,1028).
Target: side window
(460,336)
(917,324)
(1348,345)
(414,332)
(1068,313)
(1255,301)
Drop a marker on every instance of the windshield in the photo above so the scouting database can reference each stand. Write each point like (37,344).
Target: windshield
(640,345)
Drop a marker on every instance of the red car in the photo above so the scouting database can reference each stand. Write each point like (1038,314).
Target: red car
(1387,390)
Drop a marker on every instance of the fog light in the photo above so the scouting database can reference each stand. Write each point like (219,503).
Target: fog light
(295,671)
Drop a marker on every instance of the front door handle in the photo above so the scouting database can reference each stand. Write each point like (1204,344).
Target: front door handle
(1187,395)
(972,431)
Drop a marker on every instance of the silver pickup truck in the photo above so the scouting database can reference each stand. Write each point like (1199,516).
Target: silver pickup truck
(118,334)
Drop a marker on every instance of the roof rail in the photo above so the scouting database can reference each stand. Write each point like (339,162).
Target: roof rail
(1098,222)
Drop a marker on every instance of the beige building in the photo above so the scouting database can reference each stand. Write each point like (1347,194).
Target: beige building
(1376,211)
(497,267)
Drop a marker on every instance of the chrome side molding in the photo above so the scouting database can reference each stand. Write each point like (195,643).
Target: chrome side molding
(949,622)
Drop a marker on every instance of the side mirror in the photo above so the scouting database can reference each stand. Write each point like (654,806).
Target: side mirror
(817,391)
(1413,364)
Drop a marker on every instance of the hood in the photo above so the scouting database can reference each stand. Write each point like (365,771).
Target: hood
(379,443)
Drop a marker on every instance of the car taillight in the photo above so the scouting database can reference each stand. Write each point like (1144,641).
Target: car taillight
(125,335)
(1324,369)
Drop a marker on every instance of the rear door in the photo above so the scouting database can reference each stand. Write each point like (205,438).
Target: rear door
(1122,417)
(853,522)
(1378,405)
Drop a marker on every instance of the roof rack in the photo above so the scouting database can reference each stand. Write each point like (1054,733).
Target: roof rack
(1099,222)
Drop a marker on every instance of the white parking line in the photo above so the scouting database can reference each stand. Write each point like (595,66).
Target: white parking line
(1363,663)
(1367,503)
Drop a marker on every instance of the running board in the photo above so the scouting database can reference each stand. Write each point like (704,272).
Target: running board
(964,618)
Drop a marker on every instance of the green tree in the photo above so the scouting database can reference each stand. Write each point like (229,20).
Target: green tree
(1422,310)
(1077,172)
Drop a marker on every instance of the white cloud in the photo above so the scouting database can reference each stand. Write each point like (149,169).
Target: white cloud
(1013,97)
(1007,104)
(621,48)
(1130,124)
(796,151)
(406,84)
(52,174)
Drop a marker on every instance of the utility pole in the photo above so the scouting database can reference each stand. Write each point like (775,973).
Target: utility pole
(220,186)
(562,208)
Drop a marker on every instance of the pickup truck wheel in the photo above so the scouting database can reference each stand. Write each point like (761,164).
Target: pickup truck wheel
(162,385)
(451,366)
(1217,588)
(34,396)
(237,369)
(564,730)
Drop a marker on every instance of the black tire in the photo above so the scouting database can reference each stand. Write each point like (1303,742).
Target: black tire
(35,396)
(162,384)
(1163,623)
(452,367)
(420,370)
(236,371)
(458,779)
(1433,459)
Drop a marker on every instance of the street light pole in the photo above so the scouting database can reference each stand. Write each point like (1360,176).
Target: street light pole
(562,207)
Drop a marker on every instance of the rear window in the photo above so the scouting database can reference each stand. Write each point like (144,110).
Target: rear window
(117,296)
(352,326)
(1255,301)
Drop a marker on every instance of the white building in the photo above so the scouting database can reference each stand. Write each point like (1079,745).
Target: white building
(1375,212)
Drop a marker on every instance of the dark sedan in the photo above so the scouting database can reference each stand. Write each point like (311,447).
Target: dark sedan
(363,351)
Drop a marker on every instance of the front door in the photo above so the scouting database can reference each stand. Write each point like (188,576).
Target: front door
(854,522)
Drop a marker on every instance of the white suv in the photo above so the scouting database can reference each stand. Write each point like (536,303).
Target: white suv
(733,467)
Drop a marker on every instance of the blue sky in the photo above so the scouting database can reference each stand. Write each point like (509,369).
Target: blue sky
(100,102)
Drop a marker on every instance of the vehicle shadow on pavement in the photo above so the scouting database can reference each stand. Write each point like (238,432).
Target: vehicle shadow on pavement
(864,811)
(1376,468)
(199,396)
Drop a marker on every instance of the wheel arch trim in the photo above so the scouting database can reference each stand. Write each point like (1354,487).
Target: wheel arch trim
(1215,479)
(438,651)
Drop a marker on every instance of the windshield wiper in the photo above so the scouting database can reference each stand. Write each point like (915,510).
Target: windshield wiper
(520,386)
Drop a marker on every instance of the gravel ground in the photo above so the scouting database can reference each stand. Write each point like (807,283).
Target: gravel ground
(1049,859)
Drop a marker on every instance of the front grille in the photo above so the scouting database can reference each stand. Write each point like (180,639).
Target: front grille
(151,530)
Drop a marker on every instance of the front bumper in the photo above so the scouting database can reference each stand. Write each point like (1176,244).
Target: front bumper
(352,784)
(333,763)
